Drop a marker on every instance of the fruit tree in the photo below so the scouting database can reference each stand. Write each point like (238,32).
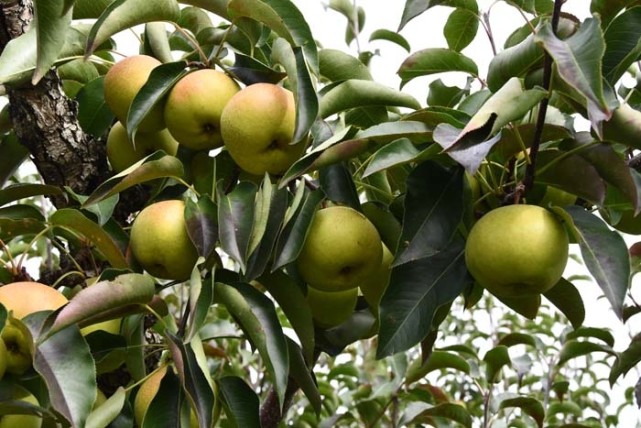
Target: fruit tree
(210,217)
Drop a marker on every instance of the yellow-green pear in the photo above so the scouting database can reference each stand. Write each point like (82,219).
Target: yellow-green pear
(331,308)
(258,125)
(160,243)
(123,82)
(376,283)
(517,250)
(122,152)
(342,248)
(194,106)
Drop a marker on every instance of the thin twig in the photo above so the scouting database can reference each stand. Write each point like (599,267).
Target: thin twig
(528,180)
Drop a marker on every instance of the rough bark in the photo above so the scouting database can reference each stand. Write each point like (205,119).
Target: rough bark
(45,121)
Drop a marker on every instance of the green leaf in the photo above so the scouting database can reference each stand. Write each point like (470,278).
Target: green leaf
(164,408)
(431,213)
(574,349)
(127,289)
(358,93)
(578,62)
(605,254)
(157,40)
(240,402)
(156,165)
(201,297)
(565,296)
(107,412)
(235,220)
(123,14)
(438,360)
(249,70)
(152,93)
(337,183)
(194,381)
(69,376)
(598,333)
(397,152)
(94,115)
(292,237)
(15,192)
(10,228)
(284,18)
(103,210)
(420,288)
(74,220)
(529,405)
(89,9)
(445,96)
(414,8)
(302,374)
(622,44)
(512,339)
(202,228)
(495,359)
(515,61)
(52,23)
(257,317)
(338,66)
(390,36)
(460,28)
(292,301)
(435,60)
(626,360)
(13,154)
(421,412)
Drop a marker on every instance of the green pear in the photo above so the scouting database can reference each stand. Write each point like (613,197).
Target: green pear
(376,283)
(17,341)
(194,106)
(122,152)
(331,308)
(517,250)
(258,125)
(123,82)
(341,249)
(4,358)
(160,243)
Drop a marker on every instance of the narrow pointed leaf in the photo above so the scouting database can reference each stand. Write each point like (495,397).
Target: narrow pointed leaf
(262,206)
(107,412)
(123,14)
(70,376)
(420,288)
(156,165)
(257,317)
(164,408)
(395,153)
(15,192)
(201,297)
(414,8)
(241,402)
(623,44)
(574,349)
(202,227)
(605,254)
(566,298)
(13,154)
(435,60)
(302,374)
(159,83)
(235,220)
(74,220)
(52,22)
(358,93)
(626,360)
(431,213)
(193,380)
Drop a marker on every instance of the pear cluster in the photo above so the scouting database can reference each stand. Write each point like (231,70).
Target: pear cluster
(204,110)
(342,253)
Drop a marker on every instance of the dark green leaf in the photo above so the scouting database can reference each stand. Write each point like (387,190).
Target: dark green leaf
(431,213)
(164,408)
(152,93)
(235,220)
(302,374)
(421,412)
(390,36)
(565,296)
(443,95)
(240,402)
(417,290)
(94,115)
(52,22)
(194,381)
(622,44)
(573,349)
(495,359)
(529,405)
(395,153)
(605,253)
(626,360)
(249,70)
(337,183)
(595,332)
(13,154)
(515,61)
(257,317)
(15,192)
(202,227)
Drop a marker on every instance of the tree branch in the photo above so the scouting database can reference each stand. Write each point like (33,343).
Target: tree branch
(45,121)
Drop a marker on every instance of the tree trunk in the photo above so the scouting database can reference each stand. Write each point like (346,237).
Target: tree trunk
(45,121)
